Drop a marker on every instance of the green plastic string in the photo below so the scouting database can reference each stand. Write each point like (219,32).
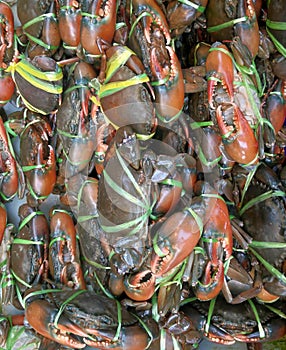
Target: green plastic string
(155,313)
(172,182)
(37,19)
(176,345)
(86,161)
(116,61)
(119,190)
(55,240)
(197,219)
(267,245)
(163,338)
(167,121)
(138,19)
(116,86)
(264,196)
(75,87)
(198,125)
(280,276)
(95,264)
(83,218)
(69,135)
(248,181)
(41,42)
(43,82)
(27,242)
(160,81)
(141,220)
(90,15)
(187,301)
(277,43)
(119,320)
(205,161)
(20,280)
(7,280)
(126,225)
(39,292)
(197,7)
(120,25)
(131,177)
(33,193)
(227,264)
(26,168)
(212,195)
(13,337)
(57,210)
(276,311)
(276,25)
(254,309)
(156,248)
(64,304)
(9,129)
(246,85)
(143,325)
(210,312)
(79,197)
(226,24)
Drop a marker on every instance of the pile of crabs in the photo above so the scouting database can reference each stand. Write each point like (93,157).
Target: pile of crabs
(146,144)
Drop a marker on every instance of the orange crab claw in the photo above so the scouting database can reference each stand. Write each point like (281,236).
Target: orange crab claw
(140,287)
(212,282)
(43,179)
(41,316)
(219,67)
(238,137)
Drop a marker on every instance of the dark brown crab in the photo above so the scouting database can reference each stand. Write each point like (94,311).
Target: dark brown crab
(263,211)
(87,319)
(230,323)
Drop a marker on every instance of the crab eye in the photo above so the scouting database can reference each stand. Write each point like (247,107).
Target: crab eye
(250,323)
(217,319)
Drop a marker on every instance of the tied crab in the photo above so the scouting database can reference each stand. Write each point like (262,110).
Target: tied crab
(64,256)
(160,60)
(77,319)
(238,138)
(123,96)
(29,248)
(225,323)
(262,210)
(9,172)
(37,157)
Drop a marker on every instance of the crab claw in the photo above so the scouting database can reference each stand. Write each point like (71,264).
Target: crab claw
(157,16)
(218,229)
(7,30)
(8,167)
(41,315)
(43,178)
(212,282)
(219,68)
(140,287)
(174,241)
(248,31)
(169,84)
(64,252)
(238,137)
(84,73)
(9,176)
